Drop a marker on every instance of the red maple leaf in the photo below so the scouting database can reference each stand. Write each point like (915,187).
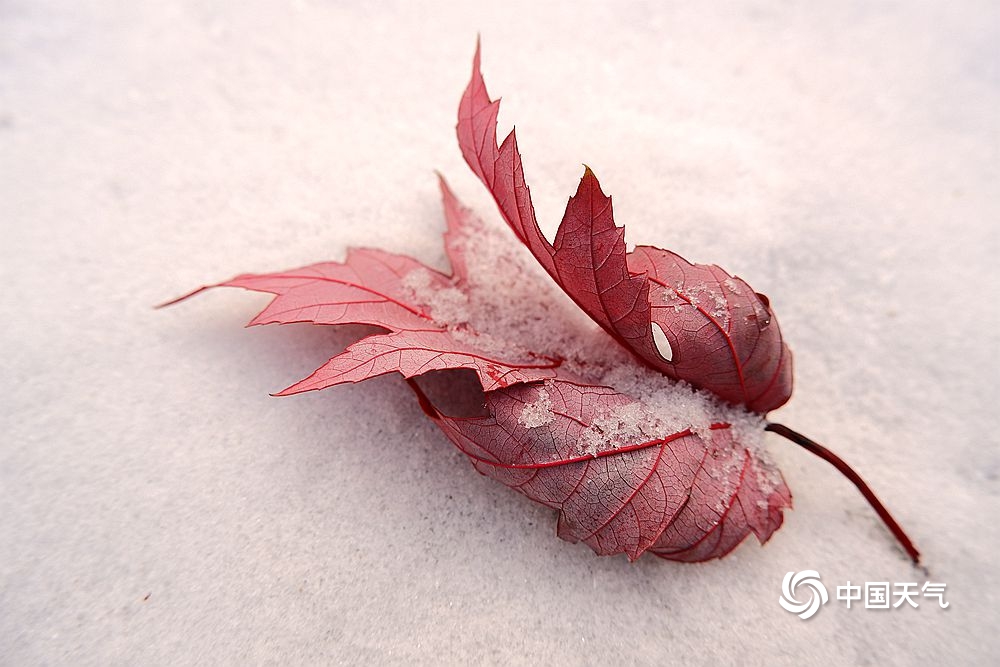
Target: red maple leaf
(646,434)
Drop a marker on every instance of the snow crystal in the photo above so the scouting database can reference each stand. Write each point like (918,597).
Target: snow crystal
(768,476)
(721,312)
(701,295)
(538,413)
(448,305)
(663,407)
(623,426)
(691,292)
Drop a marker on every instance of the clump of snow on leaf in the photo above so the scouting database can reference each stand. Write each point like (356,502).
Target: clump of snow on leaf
(664,407)
(448,306)
(538,413)
(677,405)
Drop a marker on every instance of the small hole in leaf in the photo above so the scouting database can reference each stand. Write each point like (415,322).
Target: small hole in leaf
(662,344)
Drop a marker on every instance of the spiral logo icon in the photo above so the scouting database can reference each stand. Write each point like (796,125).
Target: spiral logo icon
(817,593)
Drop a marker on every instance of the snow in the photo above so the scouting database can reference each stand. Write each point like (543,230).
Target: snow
(447,306)
(158,507)
(512,299)
(537,413)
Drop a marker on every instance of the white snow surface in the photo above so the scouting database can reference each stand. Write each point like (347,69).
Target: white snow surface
(157,506)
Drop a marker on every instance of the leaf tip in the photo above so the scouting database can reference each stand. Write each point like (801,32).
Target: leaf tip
(590,180)
(443,185)
(293,389)
(183,297)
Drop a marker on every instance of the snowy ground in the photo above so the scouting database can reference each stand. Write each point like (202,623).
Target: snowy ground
(158,507)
